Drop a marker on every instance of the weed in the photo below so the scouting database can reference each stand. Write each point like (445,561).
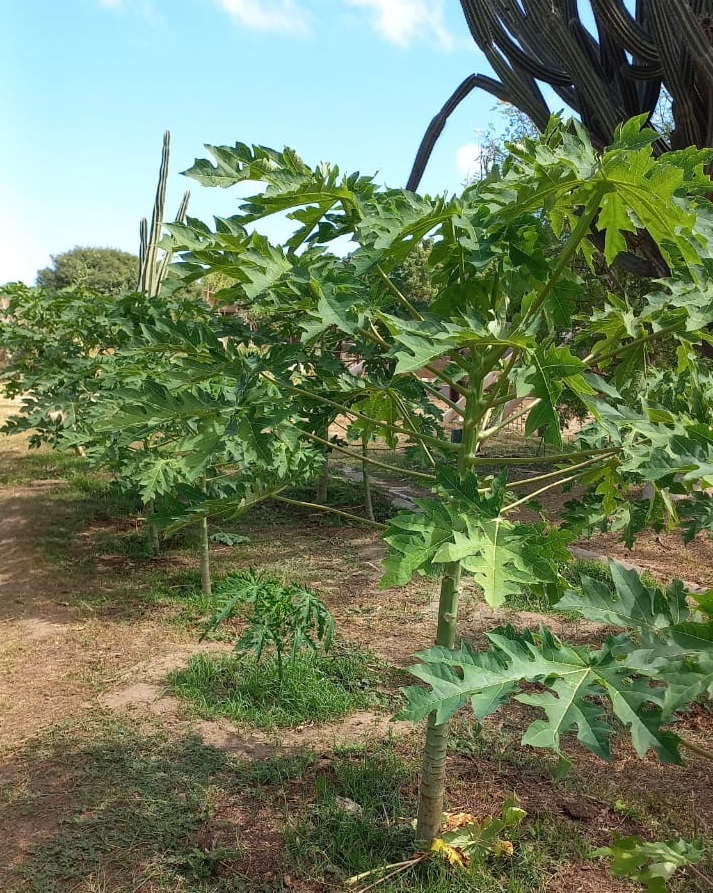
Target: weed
(629,810)
(286,619)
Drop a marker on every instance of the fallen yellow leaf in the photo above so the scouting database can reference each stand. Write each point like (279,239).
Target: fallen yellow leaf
(454,855)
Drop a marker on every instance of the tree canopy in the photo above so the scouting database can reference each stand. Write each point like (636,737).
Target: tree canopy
(107,271)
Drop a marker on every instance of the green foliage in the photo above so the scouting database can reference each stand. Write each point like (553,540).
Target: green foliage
(106,271)
(286,619)
(210,415)
(657,667)
(651,864)
(466,525)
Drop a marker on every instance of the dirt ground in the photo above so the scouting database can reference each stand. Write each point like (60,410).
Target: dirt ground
(75,648)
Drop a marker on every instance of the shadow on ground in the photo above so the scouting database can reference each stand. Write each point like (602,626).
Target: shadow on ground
(122,808)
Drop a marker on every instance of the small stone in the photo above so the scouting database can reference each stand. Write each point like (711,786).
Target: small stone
(348,805)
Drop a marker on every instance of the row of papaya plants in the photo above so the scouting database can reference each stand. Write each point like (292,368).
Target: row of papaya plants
(243,406)
(502,315)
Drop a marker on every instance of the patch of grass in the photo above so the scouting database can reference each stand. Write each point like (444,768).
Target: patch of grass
(111,498)
(314,689)
(586,567)
(499,745)
(356,821)
(34,465)
(118,810)
(360,819)
(278,770)
(130,545)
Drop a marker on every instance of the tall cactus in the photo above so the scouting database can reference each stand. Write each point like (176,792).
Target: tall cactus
(606,74)
(152,268)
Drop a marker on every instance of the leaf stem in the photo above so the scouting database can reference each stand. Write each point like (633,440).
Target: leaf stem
(421,475)
(642,339)
(398,294)
(696,748)
(327,508)
(530,496)
(551,474)
(699,874)
(436,393)
(503,423)
(346,410)
(479,461)
(503,378)
(569,250)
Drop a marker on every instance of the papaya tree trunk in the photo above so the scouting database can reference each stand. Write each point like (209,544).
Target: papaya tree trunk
(432,787)
(151,528)
(206,586)
(323,480)
(368,503)
(433,769)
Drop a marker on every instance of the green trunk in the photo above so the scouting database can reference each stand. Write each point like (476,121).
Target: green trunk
(206,586)
(433,769)
(323,481)
(368,504)
(322,484)
(152,529)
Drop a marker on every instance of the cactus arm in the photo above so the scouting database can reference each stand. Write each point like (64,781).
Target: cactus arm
(152,270)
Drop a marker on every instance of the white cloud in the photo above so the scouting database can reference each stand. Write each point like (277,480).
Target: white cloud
(268,15)
(403,21)
(111,4)
(468,160)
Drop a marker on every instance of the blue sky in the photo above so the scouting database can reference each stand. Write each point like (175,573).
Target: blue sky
(87,88)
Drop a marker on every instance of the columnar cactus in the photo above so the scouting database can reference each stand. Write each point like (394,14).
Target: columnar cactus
(606,73)
(152,269)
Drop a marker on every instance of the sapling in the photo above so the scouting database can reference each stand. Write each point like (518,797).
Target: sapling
(285,619)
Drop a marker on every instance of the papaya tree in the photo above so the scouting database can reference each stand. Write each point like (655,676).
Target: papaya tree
(494,335)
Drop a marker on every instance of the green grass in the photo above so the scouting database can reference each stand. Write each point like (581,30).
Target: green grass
(32,465)
(335,839)
(129,809)
(314,689)
(336,842)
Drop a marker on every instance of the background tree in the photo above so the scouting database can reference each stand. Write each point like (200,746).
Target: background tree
(107,271)
(604,62)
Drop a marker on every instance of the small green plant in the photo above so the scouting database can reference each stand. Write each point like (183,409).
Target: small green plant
(653,864)
(464,839)
(288,619)
(228,539)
